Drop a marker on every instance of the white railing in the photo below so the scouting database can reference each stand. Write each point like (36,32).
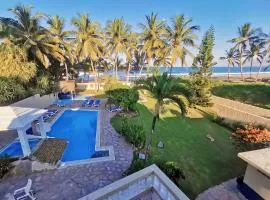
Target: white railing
(135,184)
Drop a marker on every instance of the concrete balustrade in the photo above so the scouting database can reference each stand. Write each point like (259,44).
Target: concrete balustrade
(150,178)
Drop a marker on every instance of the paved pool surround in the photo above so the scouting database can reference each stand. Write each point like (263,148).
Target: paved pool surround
(77,181)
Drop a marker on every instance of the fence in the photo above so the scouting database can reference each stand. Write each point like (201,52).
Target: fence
(234,111)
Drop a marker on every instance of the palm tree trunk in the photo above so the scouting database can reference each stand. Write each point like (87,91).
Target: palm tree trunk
(66,71)
(240,64)
(171,70)
(149,139)
(128,72)
(92,67)
(115,67)
(229,69)
(259,71)
(250,68)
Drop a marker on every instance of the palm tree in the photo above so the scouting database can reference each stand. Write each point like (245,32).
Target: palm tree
(57,30)
(163,87)
(181,36)
(117,35)
(230,57)
(139,58)
(153,35)
(265,53)
(254,53)
(246,35)
(25,31)
(131,48)
(89,39)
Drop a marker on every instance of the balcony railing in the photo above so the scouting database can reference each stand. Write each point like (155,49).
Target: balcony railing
(140,182)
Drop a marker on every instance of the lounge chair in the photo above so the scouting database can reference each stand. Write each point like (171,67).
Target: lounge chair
(114,109)
(97,103)
(25,192)
(90,103)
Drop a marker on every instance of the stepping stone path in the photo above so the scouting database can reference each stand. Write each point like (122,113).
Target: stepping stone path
(76,181)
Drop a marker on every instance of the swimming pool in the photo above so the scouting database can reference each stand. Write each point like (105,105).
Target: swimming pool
(14,149)
(77,98)
(78,128)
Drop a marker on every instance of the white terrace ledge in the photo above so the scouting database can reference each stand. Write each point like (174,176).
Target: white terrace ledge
(135,184)
(257,174)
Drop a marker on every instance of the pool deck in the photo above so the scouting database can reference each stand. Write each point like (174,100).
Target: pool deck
(76,181)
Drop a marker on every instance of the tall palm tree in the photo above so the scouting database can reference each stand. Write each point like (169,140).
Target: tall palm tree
(163,87)
(153,35)
(230,58)
(57,30)
(117,34)
(265,53)
(181,35)
(25,30)
(254,53)
(246,35)
(139,58)
(131,48)
(88,38)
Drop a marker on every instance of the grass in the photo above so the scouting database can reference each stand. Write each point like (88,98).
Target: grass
(257,94)
(204,163)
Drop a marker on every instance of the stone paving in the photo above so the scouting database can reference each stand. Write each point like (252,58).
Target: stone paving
(74,182)
(225,191)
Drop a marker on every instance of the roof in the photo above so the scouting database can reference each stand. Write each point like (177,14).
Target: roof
(260,159)
(13,117)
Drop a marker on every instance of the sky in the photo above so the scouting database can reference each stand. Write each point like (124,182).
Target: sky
(224,15)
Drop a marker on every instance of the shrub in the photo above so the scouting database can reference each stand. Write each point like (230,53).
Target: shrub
(126,98)
(111,83)
(171,170)
(5,165)
(252,134)
(133,133)
(136,165)
(10,90)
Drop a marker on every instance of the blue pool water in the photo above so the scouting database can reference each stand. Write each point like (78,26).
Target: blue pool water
(79,129)
(77,98)
(14,149)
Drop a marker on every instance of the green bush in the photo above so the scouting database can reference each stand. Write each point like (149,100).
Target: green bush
(11,90)
(136,165)
(126,98)
(5,165)
(172,171)
(133,133)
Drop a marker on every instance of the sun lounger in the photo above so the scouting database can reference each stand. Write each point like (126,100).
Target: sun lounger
(97,103)
(90,103)
(114,109)
(25,192)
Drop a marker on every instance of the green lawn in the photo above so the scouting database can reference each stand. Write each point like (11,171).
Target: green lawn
(204,163)
(257,94)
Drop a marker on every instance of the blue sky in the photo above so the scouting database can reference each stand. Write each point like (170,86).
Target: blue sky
(225,15)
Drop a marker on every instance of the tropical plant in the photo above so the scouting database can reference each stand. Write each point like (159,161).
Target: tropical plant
(131,48)
(14,63)
(265,53)
(164,87)
(200,82)
(57,30)
(230,58)
(139,58)
(25,30)
(118,33)
(181,35)
(89,39)
(126,98)
(153,35)
(254,53)
(246,36)
(10,90)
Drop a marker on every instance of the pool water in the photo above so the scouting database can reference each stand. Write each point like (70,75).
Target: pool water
(78,127)
(77,98)
(14,149)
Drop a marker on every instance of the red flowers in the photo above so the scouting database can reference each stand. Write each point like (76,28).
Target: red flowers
(252,134)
